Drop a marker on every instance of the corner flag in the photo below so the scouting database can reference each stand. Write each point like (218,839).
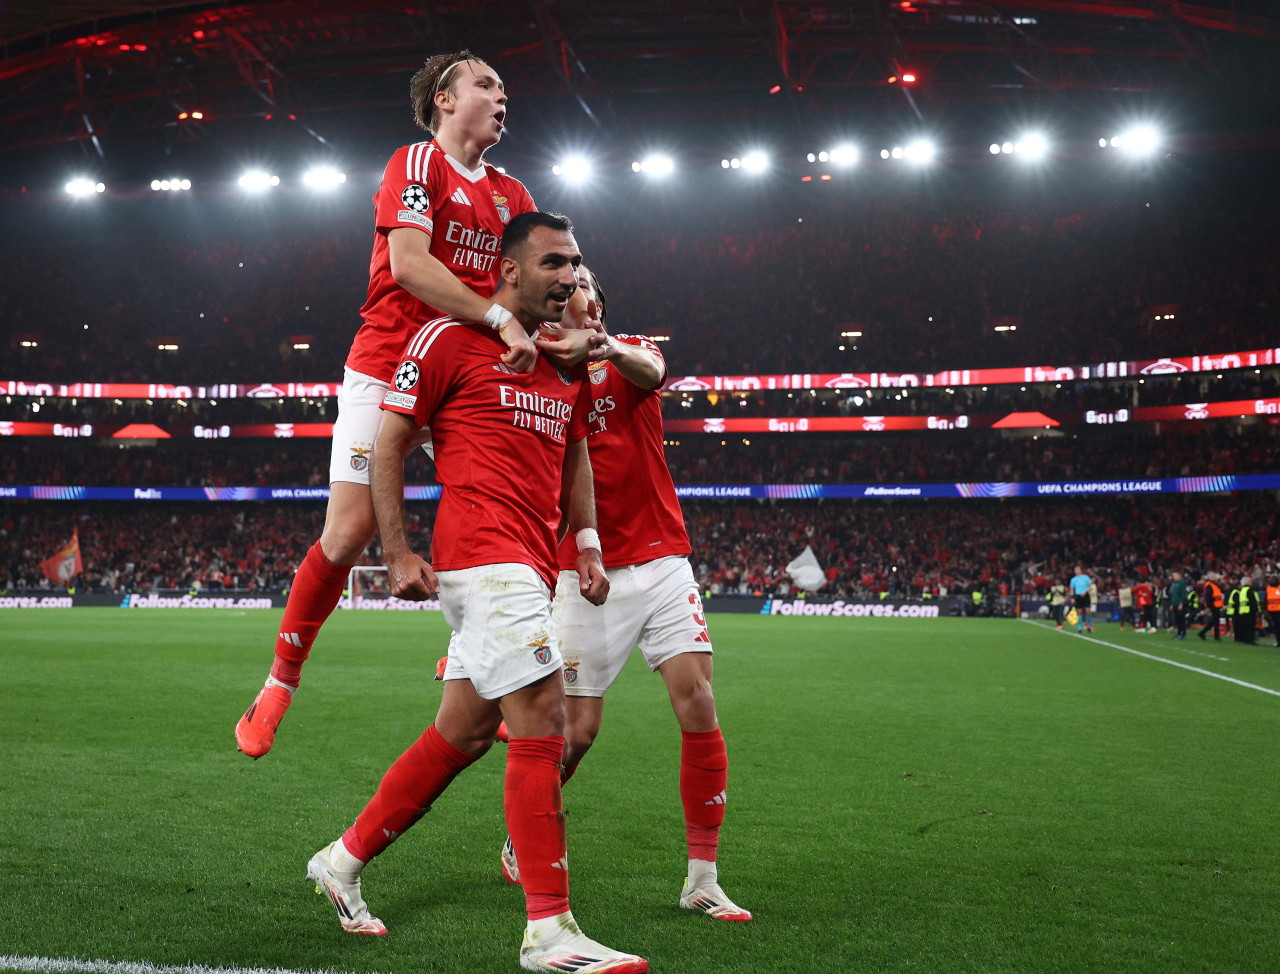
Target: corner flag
(66,564)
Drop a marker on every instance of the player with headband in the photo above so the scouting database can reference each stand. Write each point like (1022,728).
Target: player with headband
(439,216)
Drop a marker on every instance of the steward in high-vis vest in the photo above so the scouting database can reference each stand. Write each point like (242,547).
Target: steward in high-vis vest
(1243,607)
(1273,606)
(1212,599)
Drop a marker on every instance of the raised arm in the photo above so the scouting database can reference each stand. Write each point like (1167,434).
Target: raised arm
(578,501)
(639,365)
(410,575)
(421,274)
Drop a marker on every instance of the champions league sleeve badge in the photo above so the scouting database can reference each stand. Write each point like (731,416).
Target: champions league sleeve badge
(414,197)
(406,376)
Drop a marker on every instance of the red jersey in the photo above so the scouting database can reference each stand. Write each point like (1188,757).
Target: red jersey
(1143,595)
(636,505)
(464,214)
(499,441)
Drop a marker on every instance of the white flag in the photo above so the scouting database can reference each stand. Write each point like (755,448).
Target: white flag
(806,572)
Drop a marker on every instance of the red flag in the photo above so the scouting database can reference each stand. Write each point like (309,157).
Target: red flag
(66,564)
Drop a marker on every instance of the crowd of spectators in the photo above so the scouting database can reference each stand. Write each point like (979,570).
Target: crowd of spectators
(1186,450)
(902,548)
(738,289)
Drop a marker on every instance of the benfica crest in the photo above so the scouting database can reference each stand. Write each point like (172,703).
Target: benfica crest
(360,458)
(597,372)
(504,211)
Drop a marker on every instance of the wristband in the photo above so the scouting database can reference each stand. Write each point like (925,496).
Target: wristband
(588,538)
(497,316)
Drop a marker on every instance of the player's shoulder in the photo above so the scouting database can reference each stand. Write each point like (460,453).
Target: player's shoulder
(411,163)
(439,337)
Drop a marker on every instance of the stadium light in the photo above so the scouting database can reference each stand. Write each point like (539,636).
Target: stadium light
(656,165)
(574,169)
(323,178)
(1141,140)
(844,155)
(1032,146)
(256,181)
(170,185)
(921,151)
(81,187)
(755,161)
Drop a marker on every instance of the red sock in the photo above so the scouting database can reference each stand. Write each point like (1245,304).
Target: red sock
(408,789)
(535,820)
(316,589)
(704,774)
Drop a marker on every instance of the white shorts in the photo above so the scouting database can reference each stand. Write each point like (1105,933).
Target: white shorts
(359,413)
(654,605)
(501,620)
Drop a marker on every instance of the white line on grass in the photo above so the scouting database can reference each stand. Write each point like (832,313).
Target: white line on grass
(1161,659)
(59,965)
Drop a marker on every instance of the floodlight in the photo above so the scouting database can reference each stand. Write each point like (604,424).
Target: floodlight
(845,155)
(920,151)
(896,153)
(172,185)
(655,165)
(995,148)
(255,181)
(323,178)
(1032,145)
(755,162)
(884,153)
(82,186)
(1140,141)
(574,169)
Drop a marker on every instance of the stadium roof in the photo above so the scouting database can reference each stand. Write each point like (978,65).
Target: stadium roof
(116,76)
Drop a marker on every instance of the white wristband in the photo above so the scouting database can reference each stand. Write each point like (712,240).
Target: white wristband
(588,538)
(496,316)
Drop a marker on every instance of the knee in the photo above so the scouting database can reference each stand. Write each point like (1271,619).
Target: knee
(577,742)
(344,539)
(695,706)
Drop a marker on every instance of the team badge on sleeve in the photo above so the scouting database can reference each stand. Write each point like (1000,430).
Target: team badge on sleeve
(415,198)
(504,211)
(406,376)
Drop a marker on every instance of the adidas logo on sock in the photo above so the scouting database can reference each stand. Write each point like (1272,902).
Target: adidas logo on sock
(292,638)
(460,197)
(720,799)
(561,863)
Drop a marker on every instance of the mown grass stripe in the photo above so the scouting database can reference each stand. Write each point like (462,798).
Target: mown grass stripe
(1160,659)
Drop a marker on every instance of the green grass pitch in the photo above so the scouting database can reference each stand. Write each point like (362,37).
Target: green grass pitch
(905,795)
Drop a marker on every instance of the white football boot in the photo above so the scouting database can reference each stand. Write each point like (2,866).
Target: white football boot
(336,873)
(702,893)
(556,944)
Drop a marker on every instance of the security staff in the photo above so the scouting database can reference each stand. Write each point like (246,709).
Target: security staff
(1212,599)
(1243,607)
(1273,606)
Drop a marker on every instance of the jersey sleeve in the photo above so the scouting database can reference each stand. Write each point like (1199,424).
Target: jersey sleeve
(408,192)
(649,345)
(424,375)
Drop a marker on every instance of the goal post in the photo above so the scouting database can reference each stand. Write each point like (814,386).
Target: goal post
(367,588)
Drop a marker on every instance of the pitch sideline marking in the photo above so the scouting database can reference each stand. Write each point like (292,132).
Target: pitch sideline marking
(1160,659)
(58,965)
